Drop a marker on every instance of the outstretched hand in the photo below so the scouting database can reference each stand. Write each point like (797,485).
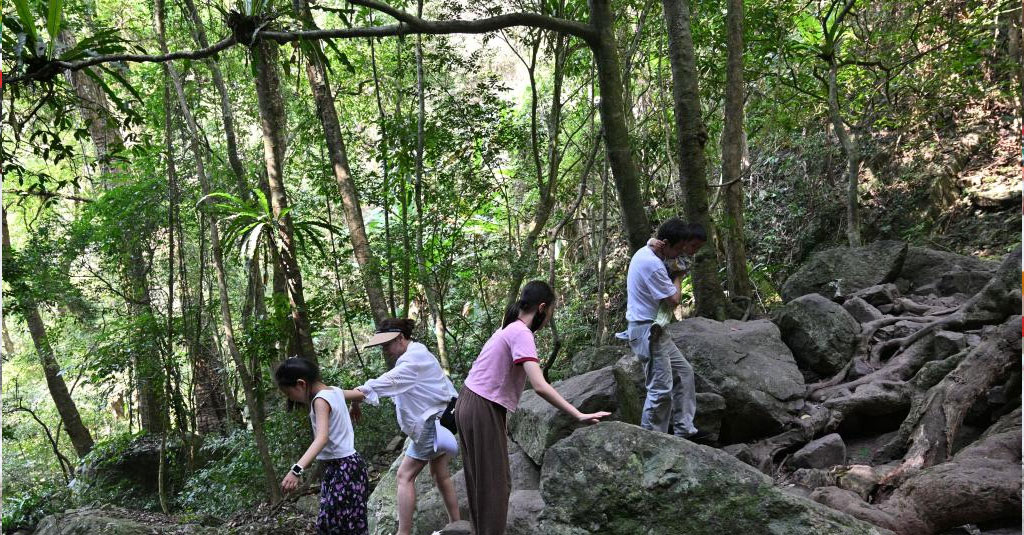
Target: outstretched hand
(656,244)
(290,482)
(593,417)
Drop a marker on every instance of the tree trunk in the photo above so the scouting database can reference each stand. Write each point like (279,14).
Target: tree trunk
(618,147)
(316,72)
(8,343)
(254,301)
(69,416)
(273,121)
(693,135)
(107,142)
(225,305)
(733,141)
(547,179)
(852,151)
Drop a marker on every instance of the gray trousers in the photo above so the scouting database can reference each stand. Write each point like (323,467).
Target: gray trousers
(671,396)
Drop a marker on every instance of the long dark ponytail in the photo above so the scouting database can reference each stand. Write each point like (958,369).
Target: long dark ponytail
(533,294)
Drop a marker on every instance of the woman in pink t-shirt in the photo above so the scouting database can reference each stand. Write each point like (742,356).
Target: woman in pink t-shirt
(492,389)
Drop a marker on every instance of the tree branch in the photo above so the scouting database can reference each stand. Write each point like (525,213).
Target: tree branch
(408,25)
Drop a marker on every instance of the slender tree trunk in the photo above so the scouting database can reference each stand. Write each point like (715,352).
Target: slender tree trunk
(254,302)
(693,135)
(227,328)
(316,72)
(733,141)
(547,179)
(8,343)
(852,151)
(618,147)
(382,125)
(66,408)
(273,120)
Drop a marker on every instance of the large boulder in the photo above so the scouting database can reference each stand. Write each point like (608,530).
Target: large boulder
(943,274)
(109,520)
(595,358)
(537,424)
(746,363)
(618,478)
(841,271)
(821,334)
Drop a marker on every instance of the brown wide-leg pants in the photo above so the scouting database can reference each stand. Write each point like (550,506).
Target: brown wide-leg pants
(484,446)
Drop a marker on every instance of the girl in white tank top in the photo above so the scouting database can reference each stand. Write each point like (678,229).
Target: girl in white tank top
(345,487)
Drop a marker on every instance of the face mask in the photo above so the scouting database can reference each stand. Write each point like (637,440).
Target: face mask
(538,321)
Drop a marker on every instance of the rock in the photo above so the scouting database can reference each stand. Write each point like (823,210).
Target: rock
(524,510)
(824,452)
(861,310)
(537,424)
(710,413)
(875,407)
(862,478)
(820,333)
(944,274)
(947,343)
(812,478)
(616,478)
(108,520)
(879,294)
(747,364)
(841,271)
(134,465)
(596,358)
(859,369)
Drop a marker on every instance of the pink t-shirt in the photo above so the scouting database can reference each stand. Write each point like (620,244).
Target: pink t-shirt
(497,374)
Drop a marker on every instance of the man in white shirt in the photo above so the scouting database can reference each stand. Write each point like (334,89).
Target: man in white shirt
(671,397)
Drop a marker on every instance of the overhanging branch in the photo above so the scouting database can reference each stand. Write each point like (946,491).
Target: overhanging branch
(407,25)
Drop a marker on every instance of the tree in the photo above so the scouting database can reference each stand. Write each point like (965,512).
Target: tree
(693,135)
(734,140)
(227,327)
(80,437)
(316,73)
(274,123)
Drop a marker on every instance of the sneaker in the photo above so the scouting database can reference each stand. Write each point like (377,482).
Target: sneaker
(700,437)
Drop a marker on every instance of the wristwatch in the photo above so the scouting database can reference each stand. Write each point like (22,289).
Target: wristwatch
(297,470)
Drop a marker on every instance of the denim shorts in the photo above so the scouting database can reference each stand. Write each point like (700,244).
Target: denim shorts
(422,449)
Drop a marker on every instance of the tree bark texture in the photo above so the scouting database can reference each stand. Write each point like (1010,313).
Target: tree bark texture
(693,135)
(273,122)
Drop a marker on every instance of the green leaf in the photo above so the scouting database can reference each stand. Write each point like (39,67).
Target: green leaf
(117,76)
(27,20)
(53,23)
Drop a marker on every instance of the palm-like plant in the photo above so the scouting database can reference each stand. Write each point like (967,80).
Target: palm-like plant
(247,224)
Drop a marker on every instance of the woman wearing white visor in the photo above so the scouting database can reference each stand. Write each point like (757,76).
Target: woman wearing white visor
(421,393)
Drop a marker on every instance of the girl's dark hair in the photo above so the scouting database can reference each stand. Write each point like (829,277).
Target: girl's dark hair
(406,325)
(533,294)
(291,370)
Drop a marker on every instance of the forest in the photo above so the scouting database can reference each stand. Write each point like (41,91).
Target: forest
(195,191)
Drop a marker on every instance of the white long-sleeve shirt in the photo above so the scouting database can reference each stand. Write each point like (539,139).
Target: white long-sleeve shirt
(417,384)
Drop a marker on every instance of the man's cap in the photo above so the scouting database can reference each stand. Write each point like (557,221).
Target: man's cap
(383,336)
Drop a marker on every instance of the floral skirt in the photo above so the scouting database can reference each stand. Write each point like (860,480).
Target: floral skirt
(343,494)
